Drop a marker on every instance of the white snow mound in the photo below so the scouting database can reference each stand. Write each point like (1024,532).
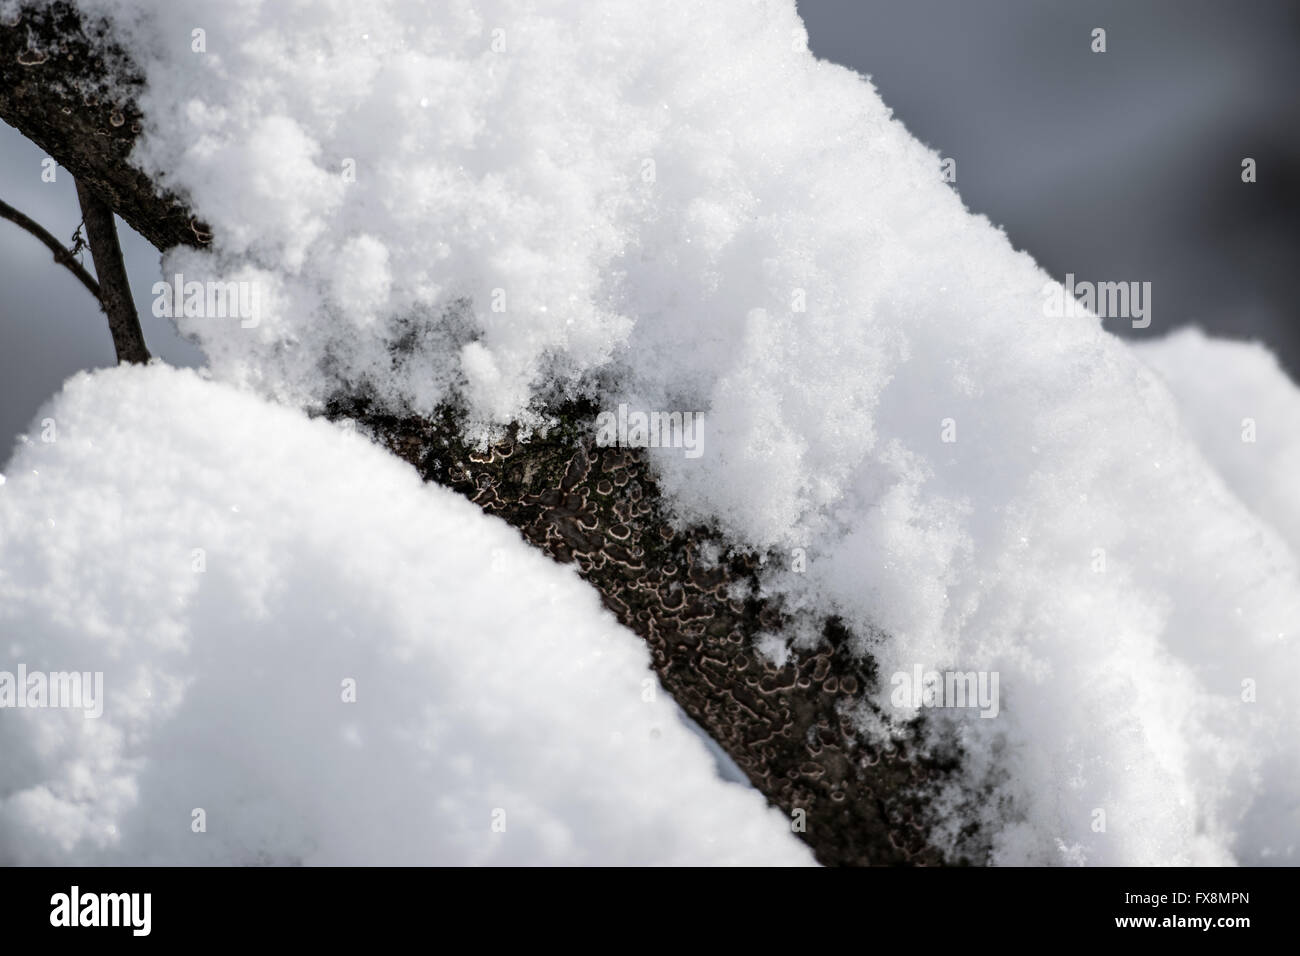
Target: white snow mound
(229,567)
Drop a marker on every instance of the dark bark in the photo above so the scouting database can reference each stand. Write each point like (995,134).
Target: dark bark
(600,509)
(114,288)
(55,89)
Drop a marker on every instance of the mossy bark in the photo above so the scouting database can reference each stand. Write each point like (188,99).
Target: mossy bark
(788,728)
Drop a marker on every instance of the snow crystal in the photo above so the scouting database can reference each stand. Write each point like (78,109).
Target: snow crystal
(504,201)
(237,573)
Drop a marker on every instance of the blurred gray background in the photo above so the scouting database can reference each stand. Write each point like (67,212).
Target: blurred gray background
(1121,166)
(50,325)
(1115,166)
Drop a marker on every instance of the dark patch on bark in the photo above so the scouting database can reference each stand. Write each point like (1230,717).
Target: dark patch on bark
(787,728)
(69,91)
(114,289)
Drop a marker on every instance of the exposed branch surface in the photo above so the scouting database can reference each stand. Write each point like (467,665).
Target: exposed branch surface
(59,90)
(114,288)
(786,727)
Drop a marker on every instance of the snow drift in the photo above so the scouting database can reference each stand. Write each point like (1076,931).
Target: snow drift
(334,662)
(1242,410)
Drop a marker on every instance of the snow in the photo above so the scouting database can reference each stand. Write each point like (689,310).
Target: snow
(1241,409)
(684,211)
(486,676)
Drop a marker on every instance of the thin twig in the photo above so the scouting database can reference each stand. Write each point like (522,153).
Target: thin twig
(62,254)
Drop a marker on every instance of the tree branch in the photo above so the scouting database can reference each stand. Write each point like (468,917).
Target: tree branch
(62,254)
(59,89)
(114,289)
(698,604)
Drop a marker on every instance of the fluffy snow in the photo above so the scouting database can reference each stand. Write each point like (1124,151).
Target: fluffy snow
(1244,414)
(681,209)
(487,678)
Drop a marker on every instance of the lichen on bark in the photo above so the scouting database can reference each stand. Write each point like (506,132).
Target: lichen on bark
(788,728)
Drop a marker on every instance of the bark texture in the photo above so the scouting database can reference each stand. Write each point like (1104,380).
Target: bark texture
(114,288)
(600,508)
(76,99)
(697,604)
